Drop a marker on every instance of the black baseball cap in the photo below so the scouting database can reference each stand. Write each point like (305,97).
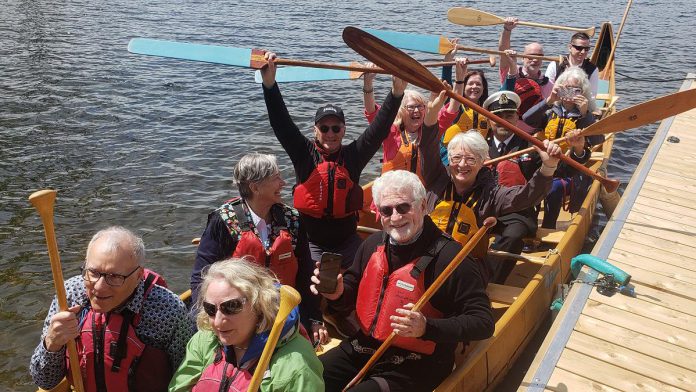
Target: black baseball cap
(329,110)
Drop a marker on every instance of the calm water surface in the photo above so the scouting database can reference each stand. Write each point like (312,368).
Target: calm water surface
(149,143)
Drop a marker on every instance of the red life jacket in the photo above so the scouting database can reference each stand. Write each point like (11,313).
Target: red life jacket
(223,376)
(529,92)
(279,257)
(328,192)
(110,352)
(380,293)
(405,159)
(510,173)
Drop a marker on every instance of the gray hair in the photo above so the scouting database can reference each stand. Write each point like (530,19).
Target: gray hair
(400,181)
(255,283)
(253,168)
(471,139)
(578,74)
(409,94)
(120,238)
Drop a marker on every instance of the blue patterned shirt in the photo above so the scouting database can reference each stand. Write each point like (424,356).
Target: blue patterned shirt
(164,324)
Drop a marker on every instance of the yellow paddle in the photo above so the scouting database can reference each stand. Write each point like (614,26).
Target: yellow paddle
(289,298)
(43,201)
(633,116)
(439,281)
(473,17)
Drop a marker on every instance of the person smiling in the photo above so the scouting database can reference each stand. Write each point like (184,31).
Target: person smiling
(328,194)
(129,330)
(259,226)
(578,49)
(392,270)
(237,305)
(466,191)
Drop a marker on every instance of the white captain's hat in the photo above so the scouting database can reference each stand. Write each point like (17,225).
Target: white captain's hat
(502,101)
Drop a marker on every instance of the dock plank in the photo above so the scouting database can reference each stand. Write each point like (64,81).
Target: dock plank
(629,261)
(657,243)
(652,199)
(609,374)
(606,351)
(664,256)
(641,324)
(638,342)
(563,380)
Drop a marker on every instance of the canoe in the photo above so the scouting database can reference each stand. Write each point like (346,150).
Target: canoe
(522,303)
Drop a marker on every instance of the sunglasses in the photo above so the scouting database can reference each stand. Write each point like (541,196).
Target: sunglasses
(581,48)
(334,128)
(228,308)
(402,208)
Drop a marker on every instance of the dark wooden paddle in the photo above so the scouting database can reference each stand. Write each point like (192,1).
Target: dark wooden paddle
(439,281)
(634,116)
(405,67)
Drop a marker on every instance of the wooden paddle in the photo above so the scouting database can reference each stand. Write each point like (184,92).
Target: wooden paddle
(43,201)
(251,58)
(410,70)
(501,53)
(439,281)
(343,71)
(289,298)
(632,117)
(473,17)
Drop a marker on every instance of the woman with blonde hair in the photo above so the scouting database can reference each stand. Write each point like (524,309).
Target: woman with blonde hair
(237,305)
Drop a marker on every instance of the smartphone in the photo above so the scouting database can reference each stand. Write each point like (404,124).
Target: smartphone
(329,268)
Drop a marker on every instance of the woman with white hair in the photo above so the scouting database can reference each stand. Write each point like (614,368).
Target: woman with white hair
(259,226)
(567,110)
(467,192)
(237,305)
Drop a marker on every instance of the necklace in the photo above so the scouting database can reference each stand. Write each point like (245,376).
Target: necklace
(239,348)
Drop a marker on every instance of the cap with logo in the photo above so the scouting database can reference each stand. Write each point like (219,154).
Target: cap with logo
(329,110)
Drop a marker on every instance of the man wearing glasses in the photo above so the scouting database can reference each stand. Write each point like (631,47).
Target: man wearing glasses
(578,48)
(130,332)
(392,270)
(327,193)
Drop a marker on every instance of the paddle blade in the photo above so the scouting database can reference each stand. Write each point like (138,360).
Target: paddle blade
(644,113)
(306,74)
(410,41)
(472,17)
(391,59)
(240,57)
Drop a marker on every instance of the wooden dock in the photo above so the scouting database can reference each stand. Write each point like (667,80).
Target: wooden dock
(646,342)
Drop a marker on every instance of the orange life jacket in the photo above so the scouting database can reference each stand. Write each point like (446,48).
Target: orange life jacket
(406,158)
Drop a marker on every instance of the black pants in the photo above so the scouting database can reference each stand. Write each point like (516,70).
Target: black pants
(510,231)
(342,363)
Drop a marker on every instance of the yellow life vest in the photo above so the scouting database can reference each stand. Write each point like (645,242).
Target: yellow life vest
(557,127)
(469,119)
(405,159)
(454,217)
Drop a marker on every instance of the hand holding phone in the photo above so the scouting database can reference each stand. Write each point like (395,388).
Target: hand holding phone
(329,268)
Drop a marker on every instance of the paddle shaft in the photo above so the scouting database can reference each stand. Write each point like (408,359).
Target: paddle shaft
(439,281)
(361,68)
(610,60)
(289,298)
(43,201)
(498,52)
(473,17)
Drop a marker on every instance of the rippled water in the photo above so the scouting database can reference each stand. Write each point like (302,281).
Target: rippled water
(149,143)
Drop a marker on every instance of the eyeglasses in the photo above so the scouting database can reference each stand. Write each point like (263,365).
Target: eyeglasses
(228,308)
(402,209)
(412,108)
(114,280)
(334,128)
(580,48)
(469,161)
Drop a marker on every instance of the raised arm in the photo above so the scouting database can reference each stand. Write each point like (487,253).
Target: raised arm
(369,94)
(434,172)
(504,44)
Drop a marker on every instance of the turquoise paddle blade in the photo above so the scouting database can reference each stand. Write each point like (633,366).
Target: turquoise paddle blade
(305,74)
(240,57)
(410,41)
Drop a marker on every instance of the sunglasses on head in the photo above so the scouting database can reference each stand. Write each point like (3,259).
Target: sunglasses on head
(580,48)
(228,308)
(334,128)
(402,208)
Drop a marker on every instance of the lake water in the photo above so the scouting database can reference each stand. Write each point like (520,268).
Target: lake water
(149,143)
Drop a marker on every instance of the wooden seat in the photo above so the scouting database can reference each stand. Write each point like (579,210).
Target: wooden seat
(502,293)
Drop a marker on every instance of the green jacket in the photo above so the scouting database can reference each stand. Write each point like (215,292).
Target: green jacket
(294,365)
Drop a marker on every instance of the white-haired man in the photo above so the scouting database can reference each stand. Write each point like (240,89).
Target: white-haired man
(392,269)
